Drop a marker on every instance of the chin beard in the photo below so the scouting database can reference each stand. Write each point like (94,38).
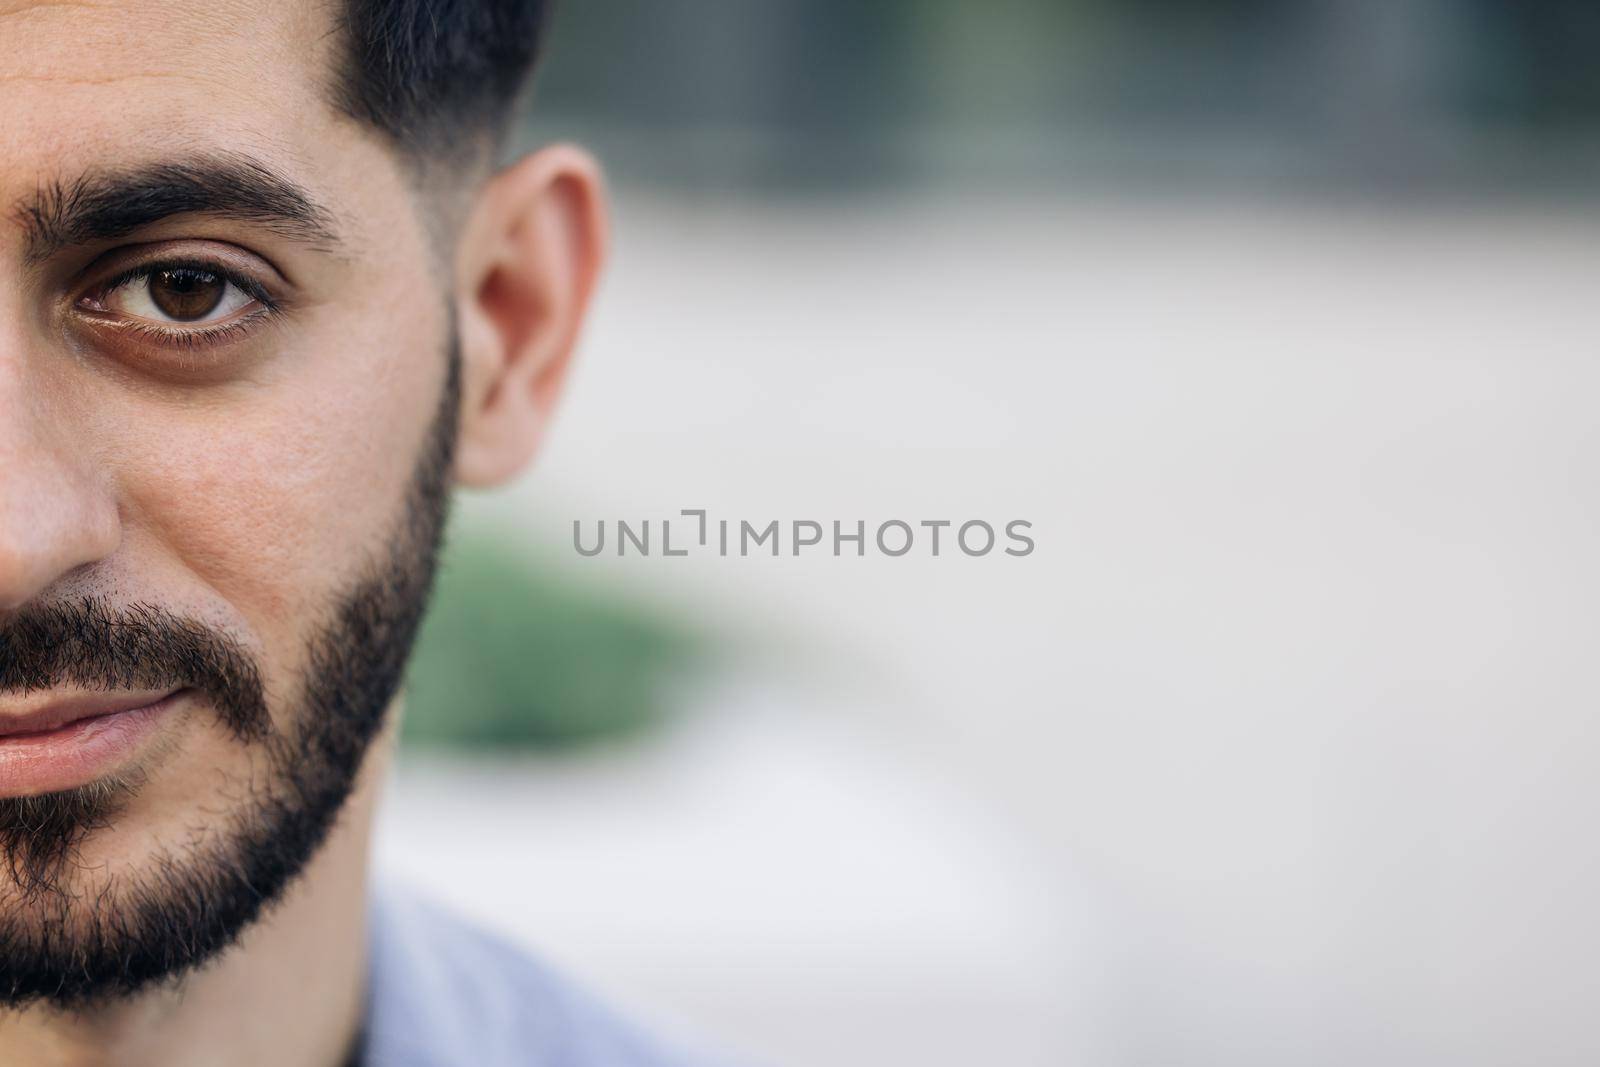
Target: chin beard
(69,947)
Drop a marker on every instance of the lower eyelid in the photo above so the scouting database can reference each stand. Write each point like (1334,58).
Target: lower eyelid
(145,332)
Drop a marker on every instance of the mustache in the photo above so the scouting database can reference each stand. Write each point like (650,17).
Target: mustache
(95,644)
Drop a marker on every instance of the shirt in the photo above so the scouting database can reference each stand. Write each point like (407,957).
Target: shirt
(443,993)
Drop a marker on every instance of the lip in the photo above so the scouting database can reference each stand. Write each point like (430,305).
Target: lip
(73,741)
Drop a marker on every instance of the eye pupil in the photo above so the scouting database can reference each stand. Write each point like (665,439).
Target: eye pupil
(186,294)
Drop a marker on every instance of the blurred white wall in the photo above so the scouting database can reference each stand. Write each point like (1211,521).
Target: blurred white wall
(1287,719)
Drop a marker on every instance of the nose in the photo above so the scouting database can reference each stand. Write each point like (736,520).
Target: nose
(57,511)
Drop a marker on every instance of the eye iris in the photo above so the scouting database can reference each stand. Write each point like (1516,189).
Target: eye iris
(186,294)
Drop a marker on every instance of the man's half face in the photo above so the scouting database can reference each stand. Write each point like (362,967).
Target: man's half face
(226,412)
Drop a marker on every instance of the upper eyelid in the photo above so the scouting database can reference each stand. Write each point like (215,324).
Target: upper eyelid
(224,256)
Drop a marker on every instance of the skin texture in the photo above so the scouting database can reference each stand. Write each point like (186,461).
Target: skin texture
(246,483)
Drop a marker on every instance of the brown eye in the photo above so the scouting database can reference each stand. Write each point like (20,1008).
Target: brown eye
(186,294)
(175,295)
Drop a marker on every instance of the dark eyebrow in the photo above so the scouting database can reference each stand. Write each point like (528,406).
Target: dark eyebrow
(106,205)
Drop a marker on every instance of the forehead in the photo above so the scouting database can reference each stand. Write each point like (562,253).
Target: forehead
(94,84)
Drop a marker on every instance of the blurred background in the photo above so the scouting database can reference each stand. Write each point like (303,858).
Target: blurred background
(1274,320)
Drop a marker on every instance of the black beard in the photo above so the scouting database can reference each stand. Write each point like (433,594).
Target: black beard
(72,950)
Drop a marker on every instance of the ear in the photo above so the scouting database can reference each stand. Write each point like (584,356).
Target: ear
(525,268)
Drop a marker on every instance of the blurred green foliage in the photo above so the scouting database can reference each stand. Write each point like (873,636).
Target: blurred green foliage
(515,653)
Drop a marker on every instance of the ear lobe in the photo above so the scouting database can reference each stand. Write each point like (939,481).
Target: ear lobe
(529,258)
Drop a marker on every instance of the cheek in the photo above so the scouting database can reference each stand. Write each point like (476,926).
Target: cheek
(273,497)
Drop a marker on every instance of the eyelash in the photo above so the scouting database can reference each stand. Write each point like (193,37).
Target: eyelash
(200,336)
(195,338)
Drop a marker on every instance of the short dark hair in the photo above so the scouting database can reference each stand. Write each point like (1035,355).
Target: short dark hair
(440,78)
